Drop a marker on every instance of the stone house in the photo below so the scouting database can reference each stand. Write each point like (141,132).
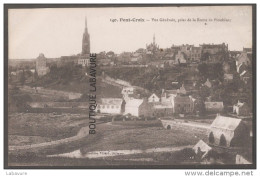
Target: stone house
(167,95)
(162,109)
(183,104)
(228,132)
(243,59)
(214,106)
(138,107)
(111,106)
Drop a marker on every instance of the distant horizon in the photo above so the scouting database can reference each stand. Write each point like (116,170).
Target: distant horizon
(58,32)
(113,51)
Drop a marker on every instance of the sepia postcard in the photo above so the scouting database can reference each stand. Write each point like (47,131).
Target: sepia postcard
(130,86)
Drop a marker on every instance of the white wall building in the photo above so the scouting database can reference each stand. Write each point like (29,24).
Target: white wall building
(110,105)
(83,62)
(138,107)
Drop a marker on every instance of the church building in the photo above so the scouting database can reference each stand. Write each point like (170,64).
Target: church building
(84,57)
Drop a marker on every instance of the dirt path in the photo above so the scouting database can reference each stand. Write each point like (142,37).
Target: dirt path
(122,86)
(83,132)
(50,92)
(102,154)
(197,125)
(191,124)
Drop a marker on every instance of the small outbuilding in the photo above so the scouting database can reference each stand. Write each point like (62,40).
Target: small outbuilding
(241,109)
(201,149)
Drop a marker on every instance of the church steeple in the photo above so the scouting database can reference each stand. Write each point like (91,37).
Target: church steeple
(86,26)
(85,40)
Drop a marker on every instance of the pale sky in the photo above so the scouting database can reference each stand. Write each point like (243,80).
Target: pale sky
(58,31)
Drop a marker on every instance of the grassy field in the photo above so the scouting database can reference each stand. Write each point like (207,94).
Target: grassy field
(114,136)
(104,90)
(31,128)
(123,137)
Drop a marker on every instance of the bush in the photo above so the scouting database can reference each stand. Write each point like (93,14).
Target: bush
(178,156)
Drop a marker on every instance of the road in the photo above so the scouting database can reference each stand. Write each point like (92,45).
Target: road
(190,124)
(112,153)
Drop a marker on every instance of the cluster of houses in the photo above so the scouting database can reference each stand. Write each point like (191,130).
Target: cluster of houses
(176,54)
(170,102)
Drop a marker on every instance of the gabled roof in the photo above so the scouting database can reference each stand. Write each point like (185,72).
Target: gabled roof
(163,105)
(111,101)
(208,83)
(168,93)
(227,123)
(204,147)
(214,104)
(134,102)
(182,99)
(242,57)
(173,92)
(182,89)
(154,95)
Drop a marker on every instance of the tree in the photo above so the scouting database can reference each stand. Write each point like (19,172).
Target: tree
(205,56)
(203,69)
(199,106)
(22,78)
(216,72)
(204,92)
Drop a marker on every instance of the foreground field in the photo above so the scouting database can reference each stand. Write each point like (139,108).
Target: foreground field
(120,136)
(110,136)
(123,136)
(33,128)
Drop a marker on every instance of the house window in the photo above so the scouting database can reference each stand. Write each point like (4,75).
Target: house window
(108,106)
(112,107)
(103,106)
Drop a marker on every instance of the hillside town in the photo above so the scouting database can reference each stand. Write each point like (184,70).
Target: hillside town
(206,88)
